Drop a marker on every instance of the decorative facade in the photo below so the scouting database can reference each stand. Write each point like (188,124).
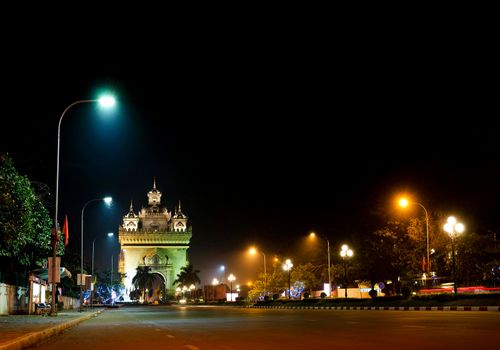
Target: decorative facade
(154,238)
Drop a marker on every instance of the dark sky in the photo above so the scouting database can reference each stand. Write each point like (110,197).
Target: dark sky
(261,143)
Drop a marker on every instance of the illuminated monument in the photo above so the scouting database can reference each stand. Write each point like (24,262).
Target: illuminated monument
(154,238)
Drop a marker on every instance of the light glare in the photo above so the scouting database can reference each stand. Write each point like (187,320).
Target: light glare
(451,220)
(107,101)
(403,202)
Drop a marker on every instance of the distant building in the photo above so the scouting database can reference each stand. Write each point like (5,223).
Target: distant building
(154,238)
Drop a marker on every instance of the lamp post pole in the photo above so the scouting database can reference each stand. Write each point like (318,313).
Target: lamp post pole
(453,228)
(287,266)
(329,275)
(105,101)
(231,278)
(92,274)
(107,200)
(453,263)
(265,274)
(110,234)
(111,275)
(53,310)
(312,234)
(345,252)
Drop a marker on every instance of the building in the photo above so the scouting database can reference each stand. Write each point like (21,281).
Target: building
(157,239)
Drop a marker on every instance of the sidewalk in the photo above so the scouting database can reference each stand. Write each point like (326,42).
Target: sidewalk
(22,331)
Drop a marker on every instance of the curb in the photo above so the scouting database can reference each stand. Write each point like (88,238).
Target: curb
(34,338)
(394,308)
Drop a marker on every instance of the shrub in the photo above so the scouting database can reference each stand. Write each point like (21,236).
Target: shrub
(276,296)
(372,293)
(306,295)
(406,292)
(323,295)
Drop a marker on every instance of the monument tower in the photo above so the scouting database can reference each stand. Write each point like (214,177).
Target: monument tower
(154,238)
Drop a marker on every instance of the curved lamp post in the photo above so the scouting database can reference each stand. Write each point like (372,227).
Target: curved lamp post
(108,201)
(253,251)
(110,234)
(104,101)
(287,266)
(403,202)
(345,253)
(312,234)
(231,278)
(453,228)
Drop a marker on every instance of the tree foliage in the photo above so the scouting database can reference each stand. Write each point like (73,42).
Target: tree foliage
(25,224)
(188,276)
(144,279)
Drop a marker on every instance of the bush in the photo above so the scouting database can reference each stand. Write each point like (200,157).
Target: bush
(276,296)
(406,292)
(306,295)
(372,293)
(323,295)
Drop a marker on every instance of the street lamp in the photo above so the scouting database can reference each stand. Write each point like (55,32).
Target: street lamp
(222,268)
(108,201)
(231,278)
(253,251)
(345,252)
(403,202)
(110,234)
(453,228)
(104,101)
(312,234)
(287,266)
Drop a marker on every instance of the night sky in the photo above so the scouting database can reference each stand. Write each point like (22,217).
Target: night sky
(261,146)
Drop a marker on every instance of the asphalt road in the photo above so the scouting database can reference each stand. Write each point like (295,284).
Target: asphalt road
(172,327)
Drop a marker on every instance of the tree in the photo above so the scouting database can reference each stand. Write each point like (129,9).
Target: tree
(188,276)
(25,224)
(307,274)
(389,254)
(144,279)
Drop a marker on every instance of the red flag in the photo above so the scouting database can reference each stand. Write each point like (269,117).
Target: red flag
(423,263)
(65,231)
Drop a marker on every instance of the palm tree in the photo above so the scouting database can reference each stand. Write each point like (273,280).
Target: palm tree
(188,276)
(144,279)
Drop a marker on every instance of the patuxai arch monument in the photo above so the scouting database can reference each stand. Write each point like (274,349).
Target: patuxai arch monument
(155,238)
